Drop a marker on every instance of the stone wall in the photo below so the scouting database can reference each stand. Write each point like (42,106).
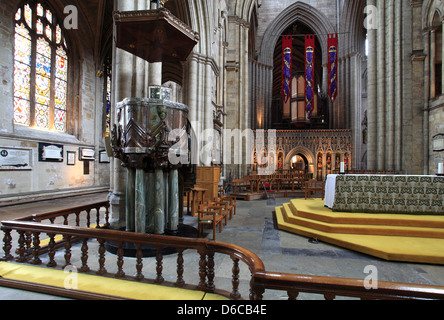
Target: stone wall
(84,124)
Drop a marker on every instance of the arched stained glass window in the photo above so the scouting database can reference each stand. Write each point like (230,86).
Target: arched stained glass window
(40,69)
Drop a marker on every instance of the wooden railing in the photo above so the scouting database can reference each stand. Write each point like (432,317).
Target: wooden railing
(29,250)
(205,248)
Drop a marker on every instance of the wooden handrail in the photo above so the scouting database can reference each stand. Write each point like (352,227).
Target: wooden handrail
(261,280)
(204,247)
(331,287)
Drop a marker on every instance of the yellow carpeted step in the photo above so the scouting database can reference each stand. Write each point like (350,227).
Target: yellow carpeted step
(315,209)
(392,248)
(355,228)
(100,285)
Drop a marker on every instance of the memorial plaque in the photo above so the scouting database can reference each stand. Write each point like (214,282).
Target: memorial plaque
(50,152)
(15,159)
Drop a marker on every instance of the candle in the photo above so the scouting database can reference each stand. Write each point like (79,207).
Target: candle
(342,167)
(441,168)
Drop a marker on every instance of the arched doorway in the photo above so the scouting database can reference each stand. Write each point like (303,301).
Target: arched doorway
(305,159)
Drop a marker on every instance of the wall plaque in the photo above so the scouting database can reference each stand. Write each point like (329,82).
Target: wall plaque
(87,154)
(50,152)
(15,158)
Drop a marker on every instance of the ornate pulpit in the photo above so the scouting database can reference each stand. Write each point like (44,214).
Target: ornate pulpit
(151,135)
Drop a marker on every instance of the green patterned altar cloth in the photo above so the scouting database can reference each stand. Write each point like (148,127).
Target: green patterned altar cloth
(420,195)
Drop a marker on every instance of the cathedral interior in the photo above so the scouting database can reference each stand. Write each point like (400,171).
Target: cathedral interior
(77,76)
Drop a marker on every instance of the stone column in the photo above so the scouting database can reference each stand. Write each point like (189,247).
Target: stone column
(141,193)
(390,94)
(130,200)
(432,63)
(122,79)
(442,56)
(381,102)
(372,96)
(173,201)
(159,203)
(398,86)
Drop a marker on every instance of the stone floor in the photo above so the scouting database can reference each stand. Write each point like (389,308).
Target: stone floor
(253,228)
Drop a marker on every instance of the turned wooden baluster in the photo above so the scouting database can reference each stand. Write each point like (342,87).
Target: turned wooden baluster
(180,281)
(235,295)
(120,273)
(84,258)
(210,272)
(98,217)
(21,250)
(67,251)
(7,240)
(106,226)
(65,220)
(329,296)
(88,218)
(36,249)
(202,271)
(139,263)
(102,250)
(52,251)
(293,295)
(159,266)
(28,243)
(77,219)
(256,292)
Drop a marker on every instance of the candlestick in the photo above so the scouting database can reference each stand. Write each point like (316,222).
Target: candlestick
(342,167)
(441,168)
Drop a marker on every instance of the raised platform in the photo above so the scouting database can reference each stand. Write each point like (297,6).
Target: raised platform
(392,237)
(259,196)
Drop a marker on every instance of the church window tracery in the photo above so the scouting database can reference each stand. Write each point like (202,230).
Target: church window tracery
(40,69)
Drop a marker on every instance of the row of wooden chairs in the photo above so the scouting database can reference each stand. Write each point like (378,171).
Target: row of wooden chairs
(280,181)
(216,213)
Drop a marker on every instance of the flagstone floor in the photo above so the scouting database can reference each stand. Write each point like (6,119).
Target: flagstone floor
(253,228)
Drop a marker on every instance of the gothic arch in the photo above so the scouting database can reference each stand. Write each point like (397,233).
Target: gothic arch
(352,25)
(298,11)
(311,158)
(430,8)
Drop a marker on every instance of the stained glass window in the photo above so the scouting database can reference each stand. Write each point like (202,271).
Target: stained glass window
(40,69)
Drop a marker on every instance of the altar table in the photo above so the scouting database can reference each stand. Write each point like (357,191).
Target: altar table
(402,194)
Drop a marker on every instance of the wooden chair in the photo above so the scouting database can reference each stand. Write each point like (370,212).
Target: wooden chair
(225,211)
(314,186)
(230,204)
(210,216)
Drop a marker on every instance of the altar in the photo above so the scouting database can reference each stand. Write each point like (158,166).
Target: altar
(400,194)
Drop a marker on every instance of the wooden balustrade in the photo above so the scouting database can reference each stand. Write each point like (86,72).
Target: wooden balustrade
(29,249)
(76,211)
(204,247)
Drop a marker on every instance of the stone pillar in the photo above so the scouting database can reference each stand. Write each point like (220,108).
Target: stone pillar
(173,201)
(130,200)
(390,85)
(122,79)
(381,103)
(372,96)
(432,63)
(159,203)
(442,56)
(398,86)
(141,202)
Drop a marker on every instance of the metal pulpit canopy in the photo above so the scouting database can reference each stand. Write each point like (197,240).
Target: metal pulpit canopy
(154,35)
